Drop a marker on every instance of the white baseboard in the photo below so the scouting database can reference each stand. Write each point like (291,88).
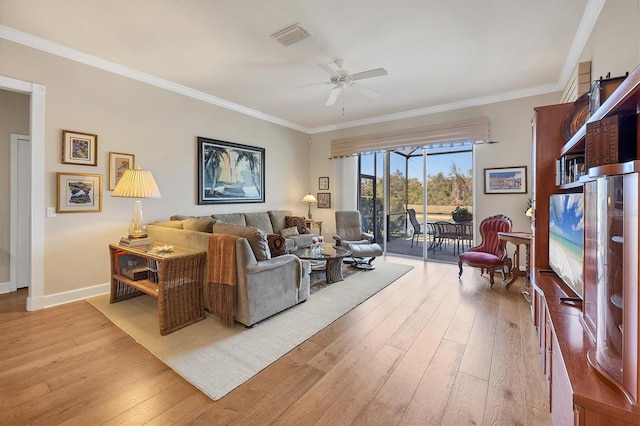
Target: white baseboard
(5,287)
(50,300)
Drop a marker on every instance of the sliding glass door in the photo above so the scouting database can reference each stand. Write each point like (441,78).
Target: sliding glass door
(405,220)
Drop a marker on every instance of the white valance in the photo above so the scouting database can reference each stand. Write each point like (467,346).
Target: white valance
(474,130)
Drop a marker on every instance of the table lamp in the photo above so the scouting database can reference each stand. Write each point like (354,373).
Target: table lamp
(136,183)
(309,199)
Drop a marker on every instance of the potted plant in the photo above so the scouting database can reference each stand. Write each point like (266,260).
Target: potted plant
(461,214)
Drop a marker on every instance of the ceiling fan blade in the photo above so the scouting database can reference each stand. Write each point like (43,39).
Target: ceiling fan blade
(333,96)
(326,68)
(378,72)
(367,91)
(324,83)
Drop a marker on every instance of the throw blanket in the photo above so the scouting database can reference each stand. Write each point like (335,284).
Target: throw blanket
(221,276)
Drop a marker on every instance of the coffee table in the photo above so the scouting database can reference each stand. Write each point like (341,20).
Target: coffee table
(332,255)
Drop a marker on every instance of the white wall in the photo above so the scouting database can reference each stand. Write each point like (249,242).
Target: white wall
(510,124)
(614,46)
(14,118)
(160,128)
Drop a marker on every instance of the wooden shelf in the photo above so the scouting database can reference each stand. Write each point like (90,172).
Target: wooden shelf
(625,99)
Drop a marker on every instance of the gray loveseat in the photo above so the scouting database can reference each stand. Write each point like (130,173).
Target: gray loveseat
(265,284)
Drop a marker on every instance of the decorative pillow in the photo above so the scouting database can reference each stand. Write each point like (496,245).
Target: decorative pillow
(277,245)
(199,224)
(169,223)
(297,221)
(290,232)
(257,238)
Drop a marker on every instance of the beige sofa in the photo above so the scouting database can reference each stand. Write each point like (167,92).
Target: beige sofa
(278,222)
(265,284)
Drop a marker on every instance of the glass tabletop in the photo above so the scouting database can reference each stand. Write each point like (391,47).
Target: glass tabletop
(328,251)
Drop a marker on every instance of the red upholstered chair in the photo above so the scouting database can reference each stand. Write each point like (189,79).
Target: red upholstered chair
(491,254)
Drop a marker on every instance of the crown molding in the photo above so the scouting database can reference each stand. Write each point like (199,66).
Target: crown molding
(38,43)
(588,21)
(466,103)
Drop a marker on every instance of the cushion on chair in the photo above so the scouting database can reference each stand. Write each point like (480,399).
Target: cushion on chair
(478,258)
(364,249)
(232,218)
(278,219)
(256,237)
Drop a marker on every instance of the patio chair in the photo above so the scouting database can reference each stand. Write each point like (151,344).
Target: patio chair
(417,228)
(446,232)
(349,233)
(491,253)
(465,235)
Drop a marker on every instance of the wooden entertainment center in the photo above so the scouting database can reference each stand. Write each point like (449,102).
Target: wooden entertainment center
(590,347)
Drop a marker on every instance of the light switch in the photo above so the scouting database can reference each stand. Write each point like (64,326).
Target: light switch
(51,212)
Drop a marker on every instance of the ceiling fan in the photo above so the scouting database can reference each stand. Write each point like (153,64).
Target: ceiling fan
(340,78)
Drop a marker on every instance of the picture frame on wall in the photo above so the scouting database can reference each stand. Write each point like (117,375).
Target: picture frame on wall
(230,172)
(118,163)
(505,180)
(79,148)
(324,200)
(79,193)
(323,183)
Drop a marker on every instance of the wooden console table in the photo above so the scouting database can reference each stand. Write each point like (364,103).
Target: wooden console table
(175,279)
(517,239)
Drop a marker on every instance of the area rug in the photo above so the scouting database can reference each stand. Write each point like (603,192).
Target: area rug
(217,359)
(318,279)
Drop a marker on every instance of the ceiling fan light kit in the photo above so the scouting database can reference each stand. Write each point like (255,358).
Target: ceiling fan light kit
(341,78)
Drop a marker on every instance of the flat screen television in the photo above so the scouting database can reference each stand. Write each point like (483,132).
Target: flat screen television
(566,239)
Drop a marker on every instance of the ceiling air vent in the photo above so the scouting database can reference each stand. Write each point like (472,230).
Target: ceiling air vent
(291,35)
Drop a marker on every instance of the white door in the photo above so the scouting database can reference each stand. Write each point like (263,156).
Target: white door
(20,235)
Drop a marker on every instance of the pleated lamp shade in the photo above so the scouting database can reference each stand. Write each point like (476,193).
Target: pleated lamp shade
(136,183)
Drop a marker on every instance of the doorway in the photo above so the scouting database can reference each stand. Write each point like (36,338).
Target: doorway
(36,92)
(20,216)
(430,181)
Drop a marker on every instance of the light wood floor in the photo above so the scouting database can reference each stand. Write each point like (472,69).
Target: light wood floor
(428,349)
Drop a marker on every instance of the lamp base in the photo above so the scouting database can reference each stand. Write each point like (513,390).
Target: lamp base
(137,227)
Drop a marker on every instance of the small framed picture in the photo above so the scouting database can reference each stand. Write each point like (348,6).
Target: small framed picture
(505,180)
(324,200)
(79,193)
(79,148)
(323,183)
(118,163)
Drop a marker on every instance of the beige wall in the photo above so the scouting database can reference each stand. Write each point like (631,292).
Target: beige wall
(14,118)
(160,128)
(614,45)
(510,126)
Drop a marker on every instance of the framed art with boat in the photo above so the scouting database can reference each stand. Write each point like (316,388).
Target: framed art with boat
(229,172)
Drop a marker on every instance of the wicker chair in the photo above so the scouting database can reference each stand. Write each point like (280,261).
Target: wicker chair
(491,253)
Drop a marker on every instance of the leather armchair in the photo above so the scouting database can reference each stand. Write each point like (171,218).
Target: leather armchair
(349,233)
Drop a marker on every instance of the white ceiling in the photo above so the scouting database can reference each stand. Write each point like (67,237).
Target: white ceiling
(439,54)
